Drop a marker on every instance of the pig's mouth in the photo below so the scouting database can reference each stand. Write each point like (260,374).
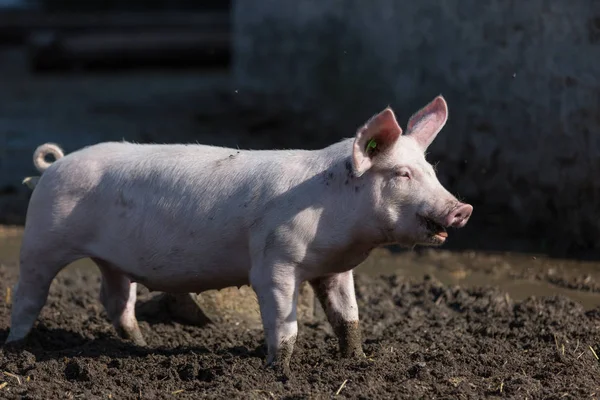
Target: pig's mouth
(435,231)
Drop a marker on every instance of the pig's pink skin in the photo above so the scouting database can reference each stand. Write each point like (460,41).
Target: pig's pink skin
(187,218)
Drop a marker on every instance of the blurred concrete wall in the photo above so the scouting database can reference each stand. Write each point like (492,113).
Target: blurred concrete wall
(522,79)
(13,3)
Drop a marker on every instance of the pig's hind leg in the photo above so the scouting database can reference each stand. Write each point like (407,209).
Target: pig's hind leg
(38,267)
(336,295)
(118,295)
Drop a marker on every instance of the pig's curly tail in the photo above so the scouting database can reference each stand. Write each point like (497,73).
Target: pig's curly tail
(40,154)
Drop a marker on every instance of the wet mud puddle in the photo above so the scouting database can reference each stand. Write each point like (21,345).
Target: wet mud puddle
(519,275)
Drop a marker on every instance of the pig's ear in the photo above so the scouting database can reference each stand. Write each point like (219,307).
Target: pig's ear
(373,139)
(425,124)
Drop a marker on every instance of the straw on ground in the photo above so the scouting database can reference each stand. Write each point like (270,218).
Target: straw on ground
(341,387)
(13,376)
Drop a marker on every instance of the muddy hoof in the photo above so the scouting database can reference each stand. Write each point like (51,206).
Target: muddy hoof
(134,335)
(356,354)
(282,371)
(138,341)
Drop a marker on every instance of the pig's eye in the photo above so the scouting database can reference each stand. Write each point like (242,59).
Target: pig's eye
(403,173)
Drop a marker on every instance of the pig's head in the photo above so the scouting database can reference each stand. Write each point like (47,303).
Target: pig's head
(410,204)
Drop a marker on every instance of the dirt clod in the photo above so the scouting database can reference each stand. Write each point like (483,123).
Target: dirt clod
(76,370)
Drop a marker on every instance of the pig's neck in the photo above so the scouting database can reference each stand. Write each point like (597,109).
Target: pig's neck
(350,201)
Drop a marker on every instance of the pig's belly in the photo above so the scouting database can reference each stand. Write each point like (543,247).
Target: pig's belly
(190,270)
(196,276)
(189,283)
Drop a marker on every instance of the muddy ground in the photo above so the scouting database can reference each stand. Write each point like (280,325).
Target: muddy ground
(464,325)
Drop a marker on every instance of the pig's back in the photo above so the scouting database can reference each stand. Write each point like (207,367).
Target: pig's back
(175,181)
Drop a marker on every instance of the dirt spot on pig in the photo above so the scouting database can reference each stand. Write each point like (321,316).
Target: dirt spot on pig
(421,339)
(222,161)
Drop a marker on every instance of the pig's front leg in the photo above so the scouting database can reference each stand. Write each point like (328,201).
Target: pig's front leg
(276,287)
(336,295)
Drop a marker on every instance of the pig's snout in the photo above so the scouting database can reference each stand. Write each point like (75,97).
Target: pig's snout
(459,216)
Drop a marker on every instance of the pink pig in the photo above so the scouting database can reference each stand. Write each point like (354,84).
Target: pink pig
(188,218)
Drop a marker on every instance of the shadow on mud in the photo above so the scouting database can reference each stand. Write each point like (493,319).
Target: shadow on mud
(56,344)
